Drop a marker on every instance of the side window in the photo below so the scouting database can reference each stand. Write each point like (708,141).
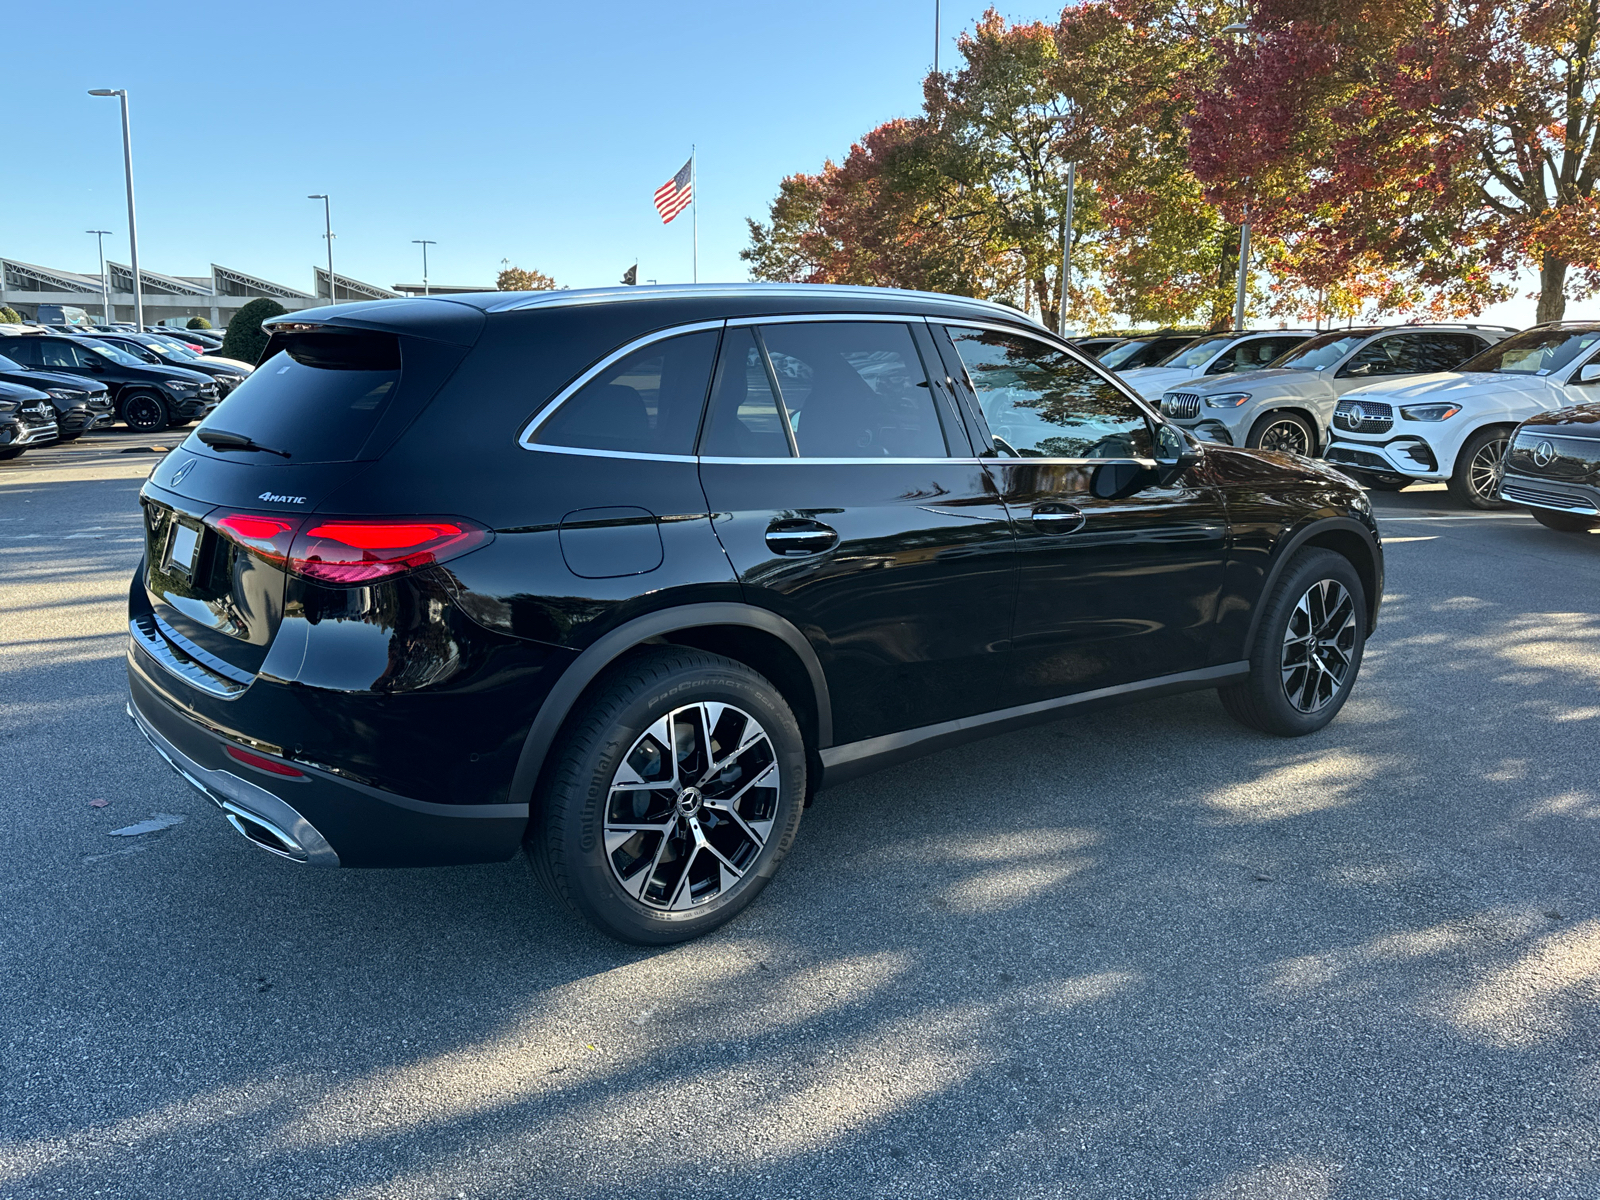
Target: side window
(1041,402)
(1255,353)
(1413,354)
(649,403)
(23,350)
(57,354)
(854,389)
(745,421)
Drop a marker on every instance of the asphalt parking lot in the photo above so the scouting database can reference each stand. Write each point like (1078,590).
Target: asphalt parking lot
(1139,954)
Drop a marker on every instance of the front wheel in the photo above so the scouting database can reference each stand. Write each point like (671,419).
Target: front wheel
(1476,480)
(1307,649)
(1284,432)
(677,794)
(1381,483)
(145,413)
(1565,522)
(9,452)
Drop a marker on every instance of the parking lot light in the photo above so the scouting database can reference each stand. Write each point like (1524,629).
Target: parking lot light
(327,222)
(133,225)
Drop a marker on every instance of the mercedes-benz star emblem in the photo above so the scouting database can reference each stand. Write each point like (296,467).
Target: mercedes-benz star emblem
(177,476)
(1543,454)
(1357,413)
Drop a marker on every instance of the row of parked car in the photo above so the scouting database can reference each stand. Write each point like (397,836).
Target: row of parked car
(1391,405)
(58,383)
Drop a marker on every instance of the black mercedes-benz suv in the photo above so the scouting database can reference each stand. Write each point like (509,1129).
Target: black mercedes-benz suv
(148,398)
(1552,465)
(626,575)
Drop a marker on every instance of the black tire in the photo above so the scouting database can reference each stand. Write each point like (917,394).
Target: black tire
(1564,522)
(1475,482)
(145,412)
(1264,700)
(1381,483)
(1284,432)
(613,732)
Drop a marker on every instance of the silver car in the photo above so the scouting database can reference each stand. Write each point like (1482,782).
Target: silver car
(1289,404)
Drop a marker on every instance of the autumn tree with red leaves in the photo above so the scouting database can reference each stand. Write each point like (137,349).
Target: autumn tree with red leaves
(1423,148)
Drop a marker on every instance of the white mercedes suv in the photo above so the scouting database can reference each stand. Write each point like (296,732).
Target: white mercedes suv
(1219,354)
(1455,425)
(1289,405)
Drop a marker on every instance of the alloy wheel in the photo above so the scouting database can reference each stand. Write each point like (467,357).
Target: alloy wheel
(144,413)
(1319,645)
(1286,436)
(1484,471)
(691,806)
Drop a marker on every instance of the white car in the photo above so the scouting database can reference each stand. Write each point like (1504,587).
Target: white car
(1455,425)
(1220,354)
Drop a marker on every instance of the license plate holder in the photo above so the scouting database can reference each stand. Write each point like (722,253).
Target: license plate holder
(183,548)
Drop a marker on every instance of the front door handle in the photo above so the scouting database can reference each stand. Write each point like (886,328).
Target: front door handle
(1058,518)
(794,538)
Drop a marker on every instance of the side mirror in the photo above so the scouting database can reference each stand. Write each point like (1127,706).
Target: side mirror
(1589,373)
(1175,453)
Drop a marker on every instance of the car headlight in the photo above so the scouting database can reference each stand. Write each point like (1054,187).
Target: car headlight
(180,385)
(9,406)
(64,394)
(1429,412)
(1227,400)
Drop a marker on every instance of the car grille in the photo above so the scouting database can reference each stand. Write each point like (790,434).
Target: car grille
(1182,405)
(1541,496)
(1363,416)
(1535,452)
(37,411)
(1358,458)
(208,391)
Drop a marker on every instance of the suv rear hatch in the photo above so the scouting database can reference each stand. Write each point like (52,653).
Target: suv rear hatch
(222,511)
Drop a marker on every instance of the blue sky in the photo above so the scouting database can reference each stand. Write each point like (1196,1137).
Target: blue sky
(530,131)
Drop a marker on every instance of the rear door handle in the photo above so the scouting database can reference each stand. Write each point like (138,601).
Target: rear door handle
(794,538)
(1058,518)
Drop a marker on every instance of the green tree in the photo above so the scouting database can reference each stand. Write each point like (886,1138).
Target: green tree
(10,316)
(245,339)
(515,279)
(198,323)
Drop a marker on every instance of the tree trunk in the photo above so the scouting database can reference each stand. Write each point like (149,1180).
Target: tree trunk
(1227,269)
(1552,289)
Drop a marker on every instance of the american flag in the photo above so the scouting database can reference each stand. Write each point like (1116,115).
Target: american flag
(673,196)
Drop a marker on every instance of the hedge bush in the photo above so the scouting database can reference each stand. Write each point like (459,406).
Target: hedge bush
(10,316)
(245,339)
(198,323)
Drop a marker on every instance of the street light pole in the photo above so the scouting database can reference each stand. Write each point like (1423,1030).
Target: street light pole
(327,224)
(1066,250)
(105,280)
(133,224)
(424,243)
(1242,29)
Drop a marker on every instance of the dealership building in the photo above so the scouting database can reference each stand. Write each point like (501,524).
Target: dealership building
(171,298)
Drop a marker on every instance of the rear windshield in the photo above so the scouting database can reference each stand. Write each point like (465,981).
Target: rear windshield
(318,398)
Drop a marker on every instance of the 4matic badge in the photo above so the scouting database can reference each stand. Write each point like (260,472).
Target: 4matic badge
(274,498)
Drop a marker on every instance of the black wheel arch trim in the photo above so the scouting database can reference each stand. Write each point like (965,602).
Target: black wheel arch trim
(607,648)
(1294,541)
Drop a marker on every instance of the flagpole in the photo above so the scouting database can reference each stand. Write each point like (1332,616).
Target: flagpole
(694,199)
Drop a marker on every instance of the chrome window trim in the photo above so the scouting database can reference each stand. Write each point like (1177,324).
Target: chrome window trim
(636,454)
(1147,463)
(548,410)
(1050,339)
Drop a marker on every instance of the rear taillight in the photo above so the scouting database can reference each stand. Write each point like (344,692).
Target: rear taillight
(268,536)
(261,763)
(362,550)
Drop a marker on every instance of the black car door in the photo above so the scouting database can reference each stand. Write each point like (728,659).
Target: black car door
(1119,569)
(848,498)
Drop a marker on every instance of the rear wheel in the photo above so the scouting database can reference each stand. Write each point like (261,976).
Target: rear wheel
(677,794)
(1476,480)
(145,412)
(1307,650)
(1283,431)
(1565,522)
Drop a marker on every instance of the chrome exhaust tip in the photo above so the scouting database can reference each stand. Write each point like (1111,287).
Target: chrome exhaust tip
(263,833)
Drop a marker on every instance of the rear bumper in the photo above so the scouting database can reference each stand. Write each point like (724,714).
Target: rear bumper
(318,818)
